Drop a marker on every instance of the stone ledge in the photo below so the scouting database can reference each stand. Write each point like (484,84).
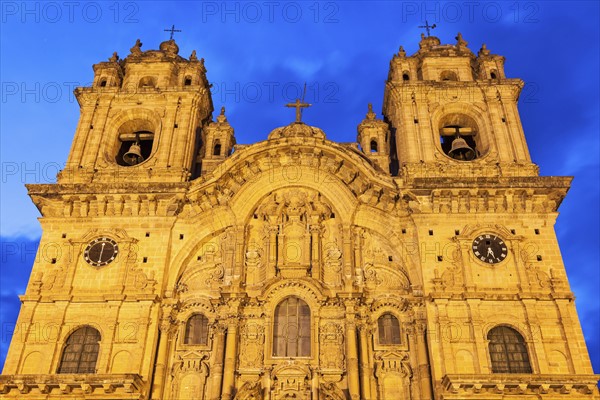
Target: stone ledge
(519,384)
(105,386)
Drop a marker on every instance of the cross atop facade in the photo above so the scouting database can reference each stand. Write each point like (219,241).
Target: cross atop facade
(428,27)
(298,105)
(172,30)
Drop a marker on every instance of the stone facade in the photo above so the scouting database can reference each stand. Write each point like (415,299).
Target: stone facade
(418,263)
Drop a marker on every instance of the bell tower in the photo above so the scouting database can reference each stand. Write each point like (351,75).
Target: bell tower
(141,119)
(455,113)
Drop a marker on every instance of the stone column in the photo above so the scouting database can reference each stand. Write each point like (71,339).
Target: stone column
(161,357)
(316,272)
(352,352)
(272,258)
(217,366)
(365,366)
(423,359)
(230,360)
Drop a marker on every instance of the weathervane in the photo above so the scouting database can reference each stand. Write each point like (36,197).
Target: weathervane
(298,105)
(172,30)
(428,27)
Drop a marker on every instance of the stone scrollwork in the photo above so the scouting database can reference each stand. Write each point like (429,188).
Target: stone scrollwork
(250,391)
(330,391)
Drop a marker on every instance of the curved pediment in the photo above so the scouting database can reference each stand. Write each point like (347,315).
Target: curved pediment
(338,171)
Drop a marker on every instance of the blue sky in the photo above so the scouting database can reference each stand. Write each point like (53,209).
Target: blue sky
(258,56)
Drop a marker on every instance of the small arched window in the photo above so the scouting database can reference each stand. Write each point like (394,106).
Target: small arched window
(493,75)
(103,82)
(508,351)
(196,330)
(448,76)
(405,76)
(291,331)
(217,148)
(187,81)
(389,329)
(80,353)
(147,82)
(373,146)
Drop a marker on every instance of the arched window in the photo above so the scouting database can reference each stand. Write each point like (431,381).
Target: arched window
(147,82)
(291,332)
(508,351)
(374,146)
(448,76)
(103,82)
(405,76)
(217,148)
(81,352)
(389,329)
(493,75)
(187,81)
(196,330)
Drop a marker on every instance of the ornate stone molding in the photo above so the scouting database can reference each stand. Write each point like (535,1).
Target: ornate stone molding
(130,386)
(520,384)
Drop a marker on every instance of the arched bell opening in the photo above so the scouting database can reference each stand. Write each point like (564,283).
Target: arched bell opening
(135,142)
(459,137)
(448,76)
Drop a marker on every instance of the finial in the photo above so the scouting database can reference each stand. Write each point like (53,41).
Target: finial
(193,56)
(172,30)
(428,28)
(114,57)
(484,50)
(221,117)
(136,49)
(460,42)
(298,106)
(401,52)
(370,114)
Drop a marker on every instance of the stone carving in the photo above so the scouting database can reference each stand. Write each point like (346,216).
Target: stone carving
(136,49)
(253,266)
(189,375)
(252,345)
(330,391)
(291,381)
(371,278)
(250,391)
(333,266)
(394,374)
(331,344)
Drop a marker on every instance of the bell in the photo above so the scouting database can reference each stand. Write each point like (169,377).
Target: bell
(134,155)
(461,151)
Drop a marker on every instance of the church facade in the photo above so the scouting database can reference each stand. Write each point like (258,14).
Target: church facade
(420,262)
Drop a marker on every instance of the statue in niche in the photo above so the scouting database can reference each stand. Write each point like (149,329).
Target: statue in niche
(253,265)
(332,274)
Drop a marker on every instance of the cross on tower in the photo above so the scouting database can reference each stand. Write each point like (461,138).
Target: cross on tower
(172,30)
(428,27)
(298,105)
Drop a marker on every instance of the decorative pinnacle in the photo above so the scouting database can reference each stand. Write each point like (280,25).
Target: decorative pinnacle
(370,114)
